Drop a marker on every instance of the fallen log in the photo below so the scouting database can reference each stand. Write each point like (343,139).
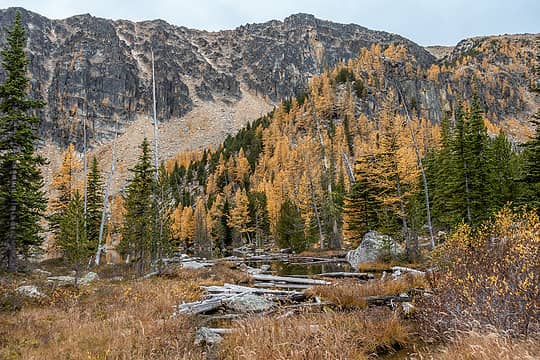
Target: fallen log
(288,279)
(282,286)
(362,276)
(386,300)
(406,269)
(237,289)
(200,307)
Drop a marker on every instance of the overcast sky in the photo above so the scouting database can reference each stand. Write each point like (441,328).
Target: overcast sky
(427,22)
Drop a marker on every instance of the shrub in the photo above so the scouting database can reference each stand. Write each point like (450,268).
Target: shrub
(489,276)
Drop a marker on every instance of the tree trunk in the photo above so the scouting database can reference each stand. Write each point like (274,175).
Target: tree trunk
(422,172)
(402,209)
(12,240)
(467,192)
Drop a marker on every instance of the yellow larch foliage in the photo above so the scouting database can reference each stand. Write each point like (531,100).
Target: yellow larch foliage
(187,224)
(65,182)
(239,214)
(242,169)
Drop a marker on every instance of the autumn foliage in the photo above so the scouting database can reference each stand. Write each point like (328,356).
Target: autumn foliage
(488,276)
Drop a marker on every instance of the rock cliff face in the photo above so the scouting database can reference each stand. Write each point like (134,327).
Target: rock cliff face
(87,67)
(210,84)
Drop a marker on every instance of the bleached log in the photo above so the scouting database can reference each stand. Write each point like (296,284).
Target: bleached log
(200,307)
(236,289)
(282,286)
(363,276)
(409,270)
(288,279)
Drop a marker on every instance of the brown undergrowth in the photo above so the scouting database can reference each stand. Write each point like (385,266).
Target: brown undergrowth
(474,345)
(333,335)
(351,294)
(120,320)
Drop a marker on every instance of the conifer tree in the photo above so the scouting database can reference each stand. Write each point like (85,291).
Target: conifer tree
(22,201)
(201,238)
(94,203)
(476,145)
(138,229)
(239,217)
(290,227)
(260,223)
(72,240)
(503,172)
(65,185)
(361,207)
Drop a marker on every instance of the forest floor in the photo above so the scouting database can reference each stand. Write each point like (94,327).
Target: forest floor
(118,317)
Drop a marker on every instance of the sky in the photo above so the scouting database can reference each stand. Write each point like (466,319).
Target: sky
(427,22)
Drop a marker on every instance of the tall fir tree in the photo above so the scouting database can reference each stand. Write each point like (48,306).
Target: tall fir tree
(138,229)
(476,160)
(290,227)
(94,203)
(361,207)
(503,166)
(72,240)
(22,201)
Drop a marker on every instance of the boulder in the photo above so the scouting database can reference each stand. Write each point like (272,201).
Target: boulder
(248,303)
(373,247)
(30,291)
(70,280)
(206,336)
(88,278)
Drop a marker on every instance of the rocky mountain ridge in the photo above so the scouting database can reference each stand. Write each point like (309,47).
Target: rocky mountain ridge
(99,69)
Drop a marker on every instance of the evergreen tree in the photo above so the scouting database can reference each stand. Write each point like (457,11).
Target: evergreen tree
(22,201)
(138,229)
(476,155)
(290,227)
(503,172)
(94,203)
(361,207)
(72,240)
(258,213)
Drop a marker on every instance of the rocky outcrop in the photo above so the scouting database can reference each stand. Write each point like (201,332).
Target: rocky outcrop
(374,246)
(99,69)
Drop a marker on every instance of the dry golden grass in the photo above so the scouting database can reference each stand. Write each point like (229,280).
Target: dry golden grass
(351,293)
(477,346)
(128,320)
(352,335)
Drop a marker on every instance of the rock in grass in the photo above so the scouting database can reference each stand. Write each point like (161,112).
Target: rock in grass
(205,336)
(30,291)
(374,246)
(248,303)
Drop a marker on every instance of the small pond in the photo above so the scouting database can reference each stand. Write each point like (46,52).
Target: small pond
(286,269)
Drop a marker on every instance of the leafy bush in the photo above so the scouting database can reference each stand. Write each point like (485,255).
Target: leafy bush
(489,276)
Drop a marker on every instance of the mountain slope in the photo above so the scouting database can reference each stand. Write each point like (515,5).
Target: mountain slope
(100,69)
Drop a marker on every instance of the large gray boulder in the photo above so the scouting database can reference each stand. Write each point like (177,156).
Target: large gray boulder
(248,303)
(374,246)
